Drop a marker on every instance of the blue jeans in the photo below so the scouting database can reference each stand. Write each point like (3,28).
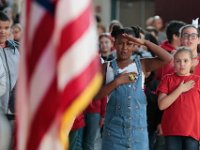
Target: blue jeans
(160,143)
(181,143)
(90,131)
(76,139)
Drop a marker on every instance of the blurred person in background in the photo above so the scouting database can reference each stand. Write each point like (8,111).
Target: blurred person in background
(114,24)
(158,24)
(152,30)
(100,29)
(190,37)
(149,21)
(170,45)
(76,133)
(106,47)
(17,32)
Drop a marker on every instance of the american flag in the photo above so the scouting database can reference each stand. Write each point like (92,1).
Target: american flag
(59,71)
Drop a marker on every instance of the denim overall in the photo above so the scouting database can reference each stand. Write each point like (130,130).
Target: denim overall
(126,121)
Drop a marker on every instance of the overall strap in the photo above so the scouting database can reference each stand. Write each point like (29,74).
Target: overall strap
(115,67)
(138,64)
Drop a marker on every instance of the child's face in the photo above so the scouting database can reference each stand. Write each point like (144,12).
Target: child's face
(105,44)
(189,38)
(4,31)
(16,33)
(124,47)
(182,63)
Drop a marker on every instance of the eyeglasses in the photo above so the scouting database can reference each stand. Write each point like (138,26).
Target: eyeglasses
(192,36)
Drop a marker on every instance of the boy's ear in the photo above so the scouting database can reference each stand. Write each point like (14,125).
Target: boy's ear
(175,36)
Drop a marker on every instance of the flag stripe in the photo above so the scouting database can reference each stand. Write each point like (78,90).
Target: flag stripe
(34,22)
(41,81)
(47,27)
(56,79)
(22,104)
(47,66)
(49,142)
(78,83)
(27,21)
(38,125)
(44,117)
(77,26)
(81,101)
(83,54)
(73,12)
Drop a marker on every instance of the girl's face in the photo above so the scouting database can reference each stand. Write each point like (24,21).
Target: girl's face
(182,63)
(16,33)
(105,44)
(124,47)
(189,38)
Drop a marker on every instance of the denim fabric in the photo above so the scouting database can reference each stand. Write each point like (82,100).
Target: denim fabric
(90,131)
(76,139)
(181,143)
(125,125)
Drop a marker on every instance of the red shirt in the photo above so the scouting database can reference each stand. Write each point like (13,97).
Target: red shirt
(182,118)
(79,122)
(97,106)
(164,70)
(167,46)
(168,68)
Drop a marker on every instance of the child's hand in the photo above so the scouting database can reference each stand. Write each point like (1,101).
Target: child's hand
(126,78)
(187,85)
(137,41)
(159,129)
(101,122)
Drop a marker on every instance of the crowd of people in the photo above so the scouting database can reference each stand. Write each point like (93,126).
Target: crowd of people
(149,99)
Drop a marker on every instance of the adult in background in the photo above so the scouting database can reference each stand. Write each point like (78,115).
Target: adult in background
(158,24)
(190,37)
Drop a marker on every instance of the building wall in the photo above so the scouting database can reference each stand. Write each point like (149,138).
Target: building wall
(135,12)
(131,12)
(102,8)
(184,10)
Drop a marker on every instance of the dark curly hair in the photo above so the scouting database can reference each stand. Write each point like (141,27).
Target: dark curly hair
(134,31)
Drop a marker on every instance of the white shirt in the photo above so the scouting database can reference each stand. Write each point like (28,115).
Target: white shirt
(130,68)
